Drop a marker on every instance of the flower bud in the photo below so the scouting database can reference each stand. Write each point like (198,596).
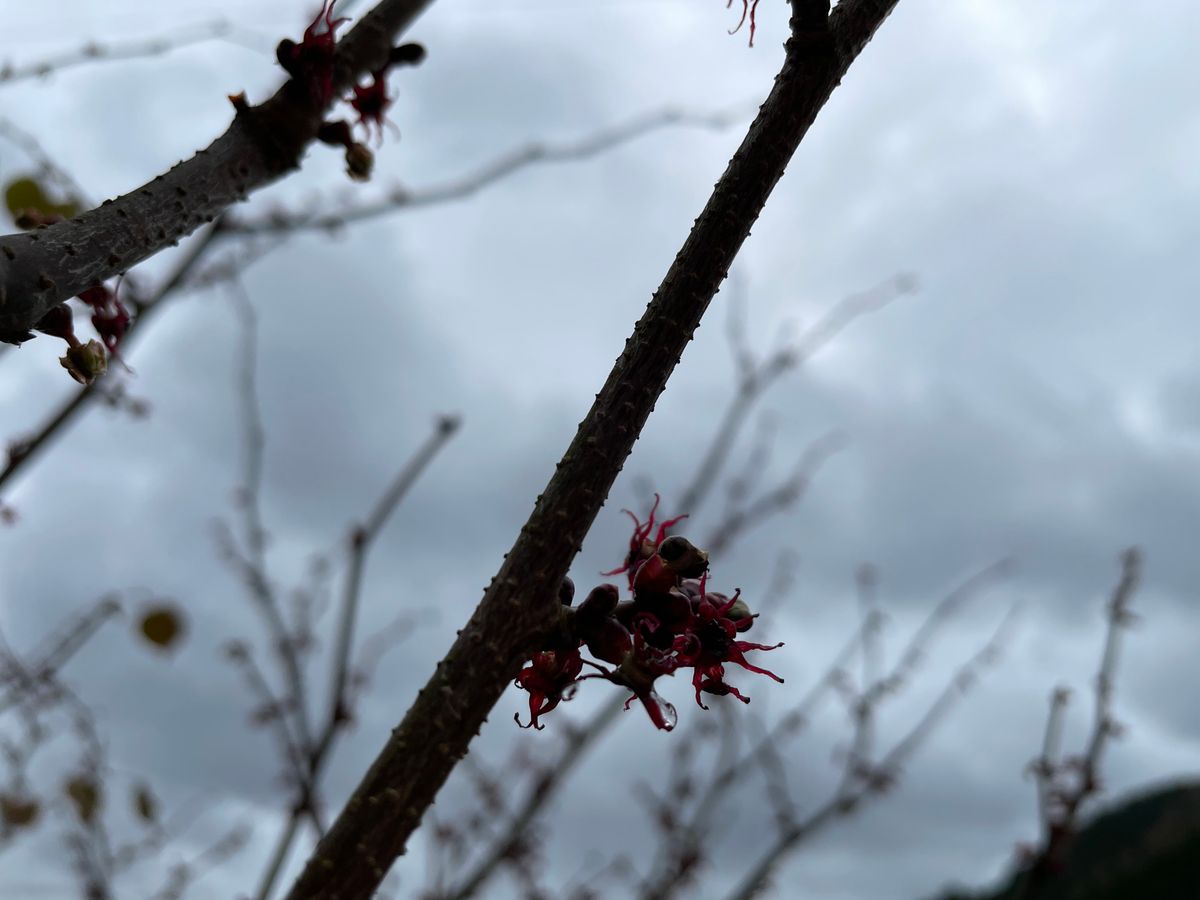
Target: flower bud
(359,162)
(595,609)
(406,55)
(610,641)
(683,557)
(85,362)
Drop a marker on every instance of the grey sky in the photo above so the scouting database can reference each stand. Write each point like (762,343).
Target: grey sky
(1032,164)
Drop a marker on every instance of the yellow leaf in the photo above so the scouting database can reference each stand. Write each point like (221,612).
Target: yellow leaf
(22,195)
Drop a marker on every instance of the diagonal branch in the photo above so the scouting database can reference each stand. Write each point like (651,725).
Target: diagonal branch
(43,268)
(755,377)
(521,603)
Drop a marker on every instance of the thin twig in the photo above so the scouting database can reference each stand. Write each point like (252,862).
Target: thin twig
(29,448)
(878,778)
(1064,787)
(339,710)
(191,276)
(756,378)
(464,186)
(93,51)
(255,567)
(517,826)
(782,496)
(689,838)
(49,661)
(48,167)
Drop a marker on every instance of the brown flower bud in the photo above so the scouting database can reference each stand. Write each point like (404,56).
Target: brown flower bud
(85,362)
(359,162)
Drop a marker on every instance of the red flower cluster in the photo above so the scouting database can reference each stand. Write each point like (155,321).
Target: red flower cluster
(673,622)
(372,101)
(310,63)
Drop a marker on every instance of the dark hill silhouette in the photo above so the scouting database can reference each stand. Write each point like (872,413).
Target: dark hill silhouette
(1143,848)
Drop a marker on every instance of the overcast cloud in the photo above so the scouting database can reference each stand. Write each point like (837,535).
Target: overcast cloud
(1032,164)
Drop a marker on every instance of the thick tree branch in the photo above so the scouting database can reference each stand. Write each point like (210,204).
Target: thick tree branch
(282,225)
(43,268)
(23,450)
(521,603)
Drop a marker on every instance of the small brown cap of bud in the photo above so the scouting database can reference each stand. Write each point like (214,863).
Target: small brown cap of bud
(359,162)
(85,362)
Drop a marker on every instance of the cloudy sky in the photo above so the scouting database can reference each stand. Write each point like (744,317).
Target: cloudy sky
(1031,164)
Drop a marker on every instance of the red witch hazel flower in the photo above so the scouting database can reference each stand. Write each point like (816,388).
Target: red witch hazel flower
(547,677)
(310,63)
(749,8)
(673,622)
(371,103)
(710,643)
(312,59)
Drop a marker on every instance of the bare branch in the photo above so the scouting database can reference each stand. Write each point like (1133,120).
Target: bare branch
(862,783)
(28,679)
(92,51)
(757,376)
(860,774)
(782,496)
(184,875)
(253,561)
(48,168)
(521,604)
(689,838)
(516,827)
(1063,787)
(338,716)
